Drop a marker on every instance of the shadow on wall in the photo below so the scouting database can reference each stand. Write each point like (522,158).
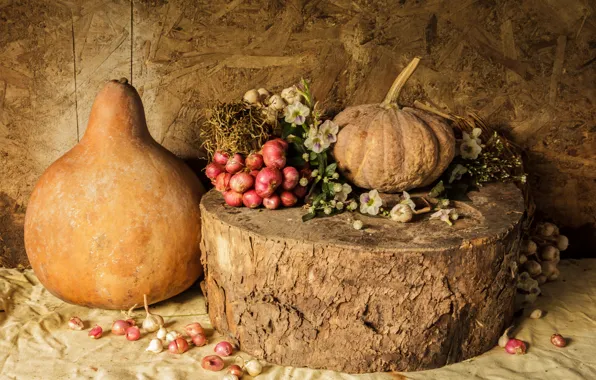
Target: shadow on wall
(12,243)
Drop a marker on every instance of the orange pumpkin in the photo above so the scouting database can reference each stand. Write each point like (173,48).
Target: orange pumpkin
(391,149)
(118,215)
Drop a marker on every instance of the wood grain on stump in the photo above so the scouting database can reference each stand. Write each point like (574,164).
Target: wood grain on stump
(391,297)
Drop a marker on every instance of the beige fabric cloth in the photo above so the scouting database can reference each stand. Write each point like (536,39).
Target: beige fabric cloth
(35,342)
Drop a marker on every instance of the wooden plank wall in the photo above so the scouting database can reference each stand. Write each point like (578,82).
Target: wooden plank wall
(528,67)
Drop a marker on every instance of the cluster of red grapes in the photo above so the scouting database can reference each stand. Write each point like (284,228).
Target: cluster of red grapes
(259,179)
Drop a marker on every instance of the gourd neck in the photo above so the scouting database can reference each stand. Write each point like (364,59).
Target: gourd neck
(390,100)
(117,112)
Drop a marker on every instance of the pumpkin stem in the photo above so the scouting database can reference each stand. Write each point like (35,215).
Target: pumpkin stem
(399,83)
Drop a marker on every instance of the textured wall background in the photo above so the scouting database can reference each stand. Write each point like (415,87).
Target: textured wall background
(528,67)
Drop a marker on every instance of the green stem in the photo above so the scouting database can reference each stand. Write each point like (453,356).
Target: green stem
(399,83)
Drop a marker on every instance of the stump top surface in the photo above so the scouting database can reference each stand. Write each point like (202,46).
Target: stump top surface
(492,211)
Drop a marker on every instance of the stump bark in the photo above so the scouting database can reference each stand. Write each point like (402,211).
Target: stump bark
(390,297)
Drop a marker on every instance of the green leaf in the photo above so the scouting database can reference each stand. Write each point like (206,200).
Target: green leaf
(437,190)
(330,169)
(295,139)
(309,216)
(318,198)
(313,156)
(287,129)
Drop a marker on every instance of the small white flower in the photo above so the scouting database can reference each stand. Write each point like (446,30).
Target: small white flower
(353,206)
(336,176)
(296,113)
(337,187)
(457,172)
(329,131)
(342,195)
(315,141)
(339,205)
(303,181)
(291,95)
(327,210)
(470,147)
(314,173)
(443,215)
(406,200)
(370,202)
(305,156)
(332,202)
(357,224)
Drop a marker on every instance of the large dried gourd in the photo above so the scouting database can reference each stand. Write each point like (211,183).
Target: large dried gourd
(118,215)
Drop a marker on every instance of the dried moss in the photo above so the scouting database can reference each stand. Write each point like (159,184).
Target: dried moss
(235,128)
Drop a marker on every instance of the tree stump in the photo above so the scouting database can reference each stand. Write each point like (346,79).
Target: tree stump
(390,297)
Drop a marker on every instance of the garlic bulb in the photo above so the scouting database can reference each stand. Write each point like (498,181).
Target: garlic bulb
(276,102)
(172,336)
(401,213)
(263,95)
(253,367)
(251,96)
(291,95)
(162,332)
(155,346)
(152,321)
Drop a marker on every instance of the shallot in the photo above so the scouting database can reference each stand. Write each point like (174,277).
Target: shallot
(199,339)
(119,327)
(290,178)
(178,346)
(253,367)
(235,164)
(515,347)
(284,144)
(133,333)
(235,369)
(75,323)
(300,191)
(213,170)
(558,340)
(288,199)
(224,348)
(152,321)
(222,182)
(233,198)
(155,346)
(212,363)
(268,180)
(241,182)
(274,155)
(272,202)
(96,332)
(194,329)
(254,161)
(221,158)
(251,199)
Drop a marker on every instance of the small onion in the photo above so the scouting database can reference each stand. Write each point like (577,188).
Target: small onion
(241,182)
(288,199)
(235,369)
(199,339)
(290,178)
(224,348)
(75,323)
(254,161)
(119,327)
(233,198)
(213,170)
(558,340)
(212,363)
(251,199)
(221,158)
(194,329)
(133,333)
(178,346)
(235,164)
(96,332)
(515,347)
(273,202)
